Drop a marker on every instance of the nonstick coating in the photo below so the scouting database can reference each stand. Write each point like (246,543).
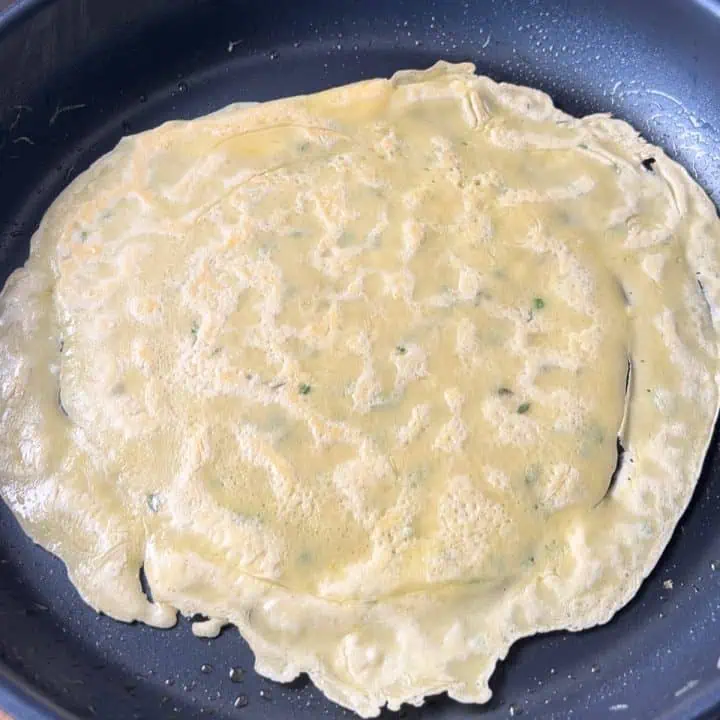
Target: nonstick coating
(77,75)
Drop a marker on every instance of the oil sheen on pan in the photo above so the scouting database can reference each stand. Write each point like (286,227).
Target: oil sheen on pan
(388,377)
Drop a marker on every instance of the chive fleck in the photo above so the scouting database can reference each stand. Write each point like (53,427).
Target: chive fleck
(194,329)
(504,391)
(304,388)
(596,434)
(523,408)
(538,303)
(401,349)
(345,239)
(532,474)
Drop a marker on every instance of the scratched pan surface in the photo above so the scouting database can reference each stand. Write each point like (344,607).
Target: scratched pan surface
(76,75)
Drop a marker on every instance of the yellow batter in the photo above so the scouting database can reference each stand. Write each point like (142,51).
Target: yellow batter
(351,371)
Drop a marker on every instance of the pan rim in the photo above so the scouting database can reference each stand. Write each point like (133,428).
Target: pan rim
(22,700)
(20,11)
(17,695)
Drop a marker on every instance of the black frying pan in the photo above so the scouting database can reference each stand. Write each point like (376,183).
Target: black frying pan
(75,75)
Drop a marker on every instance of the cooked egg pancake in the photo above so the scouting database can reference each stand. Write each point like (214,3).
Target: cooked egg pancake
(388,377)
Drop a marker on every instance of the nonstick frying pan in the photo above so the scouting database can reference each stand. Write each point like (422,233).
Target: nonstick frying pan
(75,75)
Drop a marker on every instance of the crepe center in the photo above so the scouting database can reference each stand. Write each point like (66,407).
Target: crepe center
(354,370)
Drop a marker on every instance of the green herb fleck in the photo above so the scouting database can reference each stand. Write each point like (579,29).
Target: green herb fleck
(304,147)
(480,295)
(504,391)
(523,408)
(346,238)
(400,349)
(194,329)
(304,389)
(83,236)
(532,474)
(596,434)
(538,303)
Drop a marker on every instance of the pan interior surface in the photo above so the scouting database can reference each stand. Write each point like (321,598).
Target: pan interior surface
(108,72)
